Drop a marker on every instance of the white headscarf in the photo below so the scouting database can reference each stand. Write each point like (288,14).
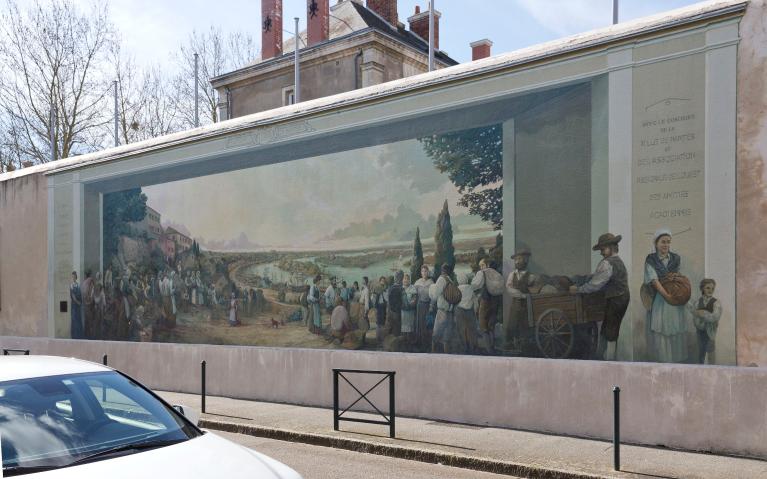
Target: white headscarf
(658,233)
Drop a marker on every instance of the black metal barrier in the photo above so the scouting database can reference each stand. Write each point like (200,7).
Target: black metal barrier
(337,417)
(104,387)
(202,385)
(617,428)
(7,352)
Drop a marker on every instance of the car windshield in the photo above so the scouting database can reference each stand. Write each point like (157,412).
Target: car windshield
(57,421)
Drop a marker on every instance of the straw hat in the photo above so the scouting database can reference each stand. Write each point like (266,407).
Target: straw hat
(607,239)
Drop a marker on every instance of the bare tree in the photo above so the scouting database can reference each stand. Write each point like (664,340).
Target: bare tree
(218,54)
(52,58)
(145,104)
(160,115)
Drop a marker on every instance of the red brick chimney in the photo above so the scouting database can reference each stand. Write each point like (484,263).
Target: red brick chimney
(271,29)
(386,9)
(318,19)
(419,24)
(480,49)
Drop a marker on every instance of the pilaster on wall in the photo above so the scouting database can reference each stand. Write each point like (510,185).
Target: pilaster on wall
(372,67)
(223,107)
(751,260)
(620,124)
(51,330)
(77,225)
(372,74)
(721,82)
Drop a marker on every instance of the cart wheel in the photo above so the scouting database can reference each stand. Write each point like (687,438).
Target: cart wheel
(554,334)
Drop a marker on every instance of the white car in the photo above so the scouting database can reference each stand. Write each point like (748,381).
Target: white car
(63,417)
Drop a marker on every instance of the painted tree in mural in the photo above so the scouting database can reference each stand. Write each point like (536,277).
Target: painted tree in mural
(121,208)
(473,160)
(496,254)
(444,252)
(417,262)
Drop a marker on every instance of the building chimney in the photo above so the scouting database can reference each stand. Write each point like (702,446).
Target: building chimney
(318,19)
(386,9)
(480,49)
(271,29)
(419,24)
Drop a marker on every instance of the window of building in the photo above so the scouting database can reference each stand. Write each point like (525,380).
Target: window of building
(288,95)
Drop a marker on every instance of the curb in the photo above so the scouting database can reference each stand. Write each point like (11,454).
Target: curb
(400,452)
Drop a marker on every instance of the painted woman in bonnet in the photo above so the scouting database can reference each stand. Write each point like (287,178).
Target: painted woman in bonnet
(667,341)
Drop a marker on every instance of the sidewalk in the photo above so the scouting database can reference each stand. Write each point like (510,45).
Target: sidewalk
(506,451)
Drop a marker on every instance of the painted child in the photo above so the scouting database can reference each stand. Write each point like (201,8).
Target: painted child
(706,313)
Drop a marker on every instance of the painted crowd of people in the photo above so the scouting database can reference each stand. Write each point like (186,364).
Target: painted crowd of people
(123,304)
(409,315)
(444,313)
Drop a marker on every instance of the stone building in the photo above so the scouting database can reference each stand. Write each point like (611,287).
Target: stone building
(652,125)
(346,46)
(182,241)
(150,226)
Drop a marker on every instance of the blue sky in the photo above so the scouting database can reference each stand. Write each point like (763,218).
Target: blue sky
(152,29)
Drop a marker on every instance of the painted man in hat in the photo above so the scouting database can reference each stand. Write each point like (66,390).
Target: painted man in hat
(519,284)
(611,278)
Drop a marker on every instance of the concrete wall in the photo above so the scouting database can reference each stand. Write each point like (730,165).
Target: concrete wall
(708,408)
(751,261)
(23,256)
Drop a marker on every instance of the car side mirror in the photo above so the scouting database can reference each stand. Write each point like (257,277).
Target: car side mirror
(188,412)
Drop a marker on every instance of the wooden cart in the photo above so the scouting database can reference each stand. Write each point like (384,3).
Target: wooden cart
(555,317)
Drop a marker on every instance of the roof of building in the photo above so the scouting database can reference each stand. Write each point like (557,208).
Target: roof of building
(400,32)
(348,18)
(173,231)
(549,51)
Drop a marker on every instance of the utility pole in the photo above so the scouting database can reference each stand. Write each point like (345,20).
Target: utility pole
(615,11)
(52,120)
(431,35)
(117,137)
(196,91)
(297,82)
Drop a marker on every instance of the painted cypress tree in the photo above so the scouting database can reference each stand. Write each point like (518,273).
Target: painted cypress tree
(417,262)
(443,241)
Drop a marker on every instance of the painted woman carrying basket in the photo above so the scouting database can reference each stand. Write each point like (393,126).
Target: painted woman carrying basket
(665,292)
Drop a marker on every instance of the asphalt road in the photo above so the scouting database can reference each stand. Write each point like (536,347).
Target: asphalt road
(317,462)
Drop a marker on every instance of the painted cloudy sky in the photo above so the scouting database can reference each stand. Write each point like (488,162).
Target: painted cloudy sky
(322,202)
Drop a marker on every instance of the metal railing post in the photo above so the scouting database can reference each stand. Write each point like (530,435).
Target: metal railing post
(617,428)
(335,400)
(103,386)
(392,409)
(202,385)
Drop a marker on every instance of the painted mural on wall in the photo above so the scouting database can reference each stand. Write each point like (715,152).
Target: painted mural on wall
(399,247)
(355,250)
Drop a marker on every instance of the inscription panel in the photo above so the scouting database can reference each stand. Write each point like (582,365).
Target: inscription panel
(668,175)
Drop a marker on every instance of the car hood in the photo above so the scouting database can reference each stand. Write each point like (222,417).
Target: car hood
(206,456)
